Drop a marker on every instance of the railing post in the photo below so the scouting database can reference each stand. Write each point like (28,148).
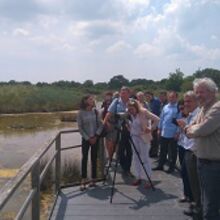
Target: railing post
(58,163)
(35,182)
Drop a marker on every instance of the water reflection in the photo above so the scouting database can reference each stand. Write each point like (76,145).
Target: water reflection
(22,135)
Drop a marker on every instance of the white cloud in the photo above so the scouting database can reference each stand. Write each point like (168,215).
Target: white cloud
(118,47)
(96,29)
(205,53)
(47,22)
(178,33)
(147,51)
(21,32)
(52,41)
(214,37)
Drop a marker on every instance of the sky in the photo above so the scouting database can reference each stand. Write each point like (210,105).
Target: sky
(79,40)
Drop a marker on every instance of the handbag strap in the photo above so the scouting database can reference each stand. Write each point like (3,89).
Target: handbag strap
(96,117)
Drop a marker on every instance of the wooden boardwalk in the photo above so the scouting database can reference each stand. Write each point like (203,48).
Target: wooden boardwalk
(129,202)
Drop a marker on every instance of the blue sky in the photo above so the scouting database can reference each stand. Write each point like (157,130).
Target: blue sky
(51,40)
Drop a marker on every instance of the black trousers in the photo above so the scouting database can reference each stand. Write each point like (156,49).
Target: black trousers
(184,174)
(85,151)
(154,144)
(168,145)
(125,151)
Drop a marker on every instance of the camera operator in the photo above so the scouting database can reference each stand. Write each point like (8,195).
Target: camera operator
(118,106)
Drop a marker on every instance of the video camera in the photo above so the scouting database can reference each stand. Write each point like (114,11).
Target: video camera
(122,116)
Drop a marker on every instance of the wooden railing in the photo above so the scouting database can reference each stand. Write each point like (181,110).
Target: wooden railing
(32,168)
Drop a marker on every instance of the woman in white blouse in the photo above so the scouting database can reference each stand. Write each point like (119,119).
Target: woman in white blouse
(141,125)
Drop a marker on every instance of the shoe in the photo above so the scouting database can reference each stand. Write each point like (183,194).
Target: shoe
(147,186)
(170,170)
(82,187)
(153,156)
(183,199)
(188,212)
(127,174)
(158,168)
(130,174)
(92,184)
(136,183)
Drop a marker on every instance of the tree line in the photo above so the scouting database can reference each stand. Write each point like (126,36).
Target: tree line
(17,97)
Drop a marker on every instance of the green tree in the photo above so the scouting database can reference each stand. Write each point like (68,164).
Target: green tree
(208,72)
(175,81)
(116,82)
(88,83)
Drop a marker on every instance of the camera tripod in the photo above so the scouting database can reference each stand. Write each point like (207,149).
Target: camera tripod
(118,143)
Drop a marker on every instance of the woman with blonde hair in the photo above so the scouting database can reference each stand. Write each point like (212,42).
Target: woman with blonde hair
(141,124)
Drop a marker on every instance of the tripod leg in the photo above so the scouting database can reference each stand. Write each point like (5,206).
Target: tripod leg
(141,162)
(111,158)
(107,170)
(113,180)
(110,161)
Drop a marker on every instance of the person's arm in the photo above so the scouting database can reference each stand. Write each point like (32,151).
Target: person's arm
(154,118)
(209,125)
(100,125)
(111,110)
(80,125)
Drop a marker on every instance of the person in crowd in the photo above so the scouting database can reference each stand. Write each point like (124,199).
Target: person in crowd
(116,95)
(108,97)
(187,194)
(168,132)
(206,133)
(111,133)
(90,126)
(141,124)
(154,107)
(190,175)
(163,99)
(141,98)
(119,105)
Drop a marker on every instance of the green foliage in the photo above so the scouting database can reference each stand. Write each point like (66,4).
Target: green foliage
(21,98)
(118,81)
(211,73)
(175,81)
(17,97)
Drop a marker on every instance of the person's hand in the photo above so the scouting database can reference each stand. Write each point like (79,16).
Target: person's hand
(181,123)
(187,132)
(92,140)
(176,136)
(158,133)
(147,130)
(108,126)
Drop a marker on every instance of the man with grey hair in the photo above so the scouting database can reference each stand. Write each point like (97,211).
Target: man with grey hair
(189,165)
(206,133)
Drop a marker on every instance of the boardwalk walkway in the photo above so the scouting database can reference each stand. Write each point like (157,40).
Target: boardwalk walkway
(129,202)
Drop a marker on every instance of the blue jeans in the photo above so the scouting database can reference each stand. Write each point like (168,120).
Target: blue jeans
(209,175)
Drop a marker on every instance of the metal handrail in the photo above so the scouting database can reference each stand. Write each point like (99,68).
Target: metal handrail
(32,167)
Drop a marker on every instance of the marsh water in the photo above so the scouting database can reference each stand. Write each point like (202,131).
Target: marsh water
(22,135)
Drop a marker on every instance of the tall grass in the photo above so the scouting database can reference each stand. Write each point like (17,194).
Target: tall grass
(30,98)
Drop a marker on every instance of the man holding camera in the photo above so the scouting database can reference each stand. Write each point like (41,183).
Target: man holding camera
(117,107)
